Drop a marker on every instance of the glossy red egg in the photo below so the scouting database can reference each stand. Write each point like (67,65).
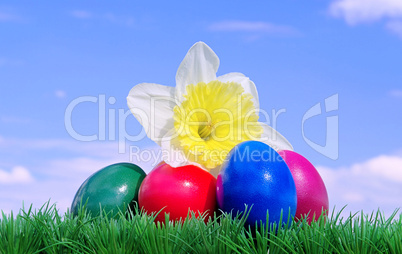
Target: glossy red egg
(312,197)
(176,190)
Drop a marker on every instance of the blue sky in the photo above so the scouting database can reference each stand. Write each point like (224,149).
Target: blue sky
(297,53)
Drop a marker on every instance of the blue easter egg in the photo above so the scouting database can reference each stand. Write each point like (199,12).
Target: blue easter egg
(255,174)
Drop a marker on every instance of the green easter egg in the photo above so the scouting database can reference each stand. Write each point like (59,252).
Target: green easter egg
(112,188)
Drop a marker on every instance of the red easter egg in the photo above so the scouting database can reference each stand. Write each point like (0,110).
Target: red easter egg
(160,163)
(312,197)
(176,190)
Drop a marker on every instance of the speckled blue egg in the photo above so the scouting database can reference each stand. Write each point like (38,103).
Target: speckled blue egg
(255,174)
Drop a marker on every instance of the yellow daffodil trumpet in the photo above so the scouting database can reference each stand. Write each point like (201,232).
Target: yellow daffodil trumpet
(201,119)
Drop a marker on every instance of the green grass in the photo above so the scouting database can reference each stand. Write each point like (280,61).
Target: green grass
(46,231)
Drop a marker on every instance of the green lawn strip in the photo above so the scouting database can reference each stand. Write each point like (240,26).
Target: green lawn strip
(47,231)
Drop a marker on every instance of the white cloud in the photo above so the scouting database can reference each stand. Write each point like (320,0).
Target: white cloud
(37,193)
(109,17)
(382,167)
(9,17)
(63,166)
(358,11)
(81,14)
(15,119)
(362,11)
(10,62)
(76,168)
(60,94)
(100,149)
(120,20)
(251,26)
(106,151)
(367,186)
(17,175)
(395,27)
(395,93)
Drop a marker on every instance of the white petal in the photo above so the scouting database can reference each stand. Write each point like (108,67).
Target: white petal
(199,65)
(152,105)
(172,155)
(245,82)
(175,157)
(274,139)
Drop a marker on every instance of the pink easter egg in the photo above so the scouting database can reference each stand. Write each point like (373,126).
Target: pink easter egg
(312,197)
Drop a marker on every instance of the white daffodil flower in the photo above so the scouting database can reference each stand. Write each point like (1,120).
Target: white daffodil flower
(201,119)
